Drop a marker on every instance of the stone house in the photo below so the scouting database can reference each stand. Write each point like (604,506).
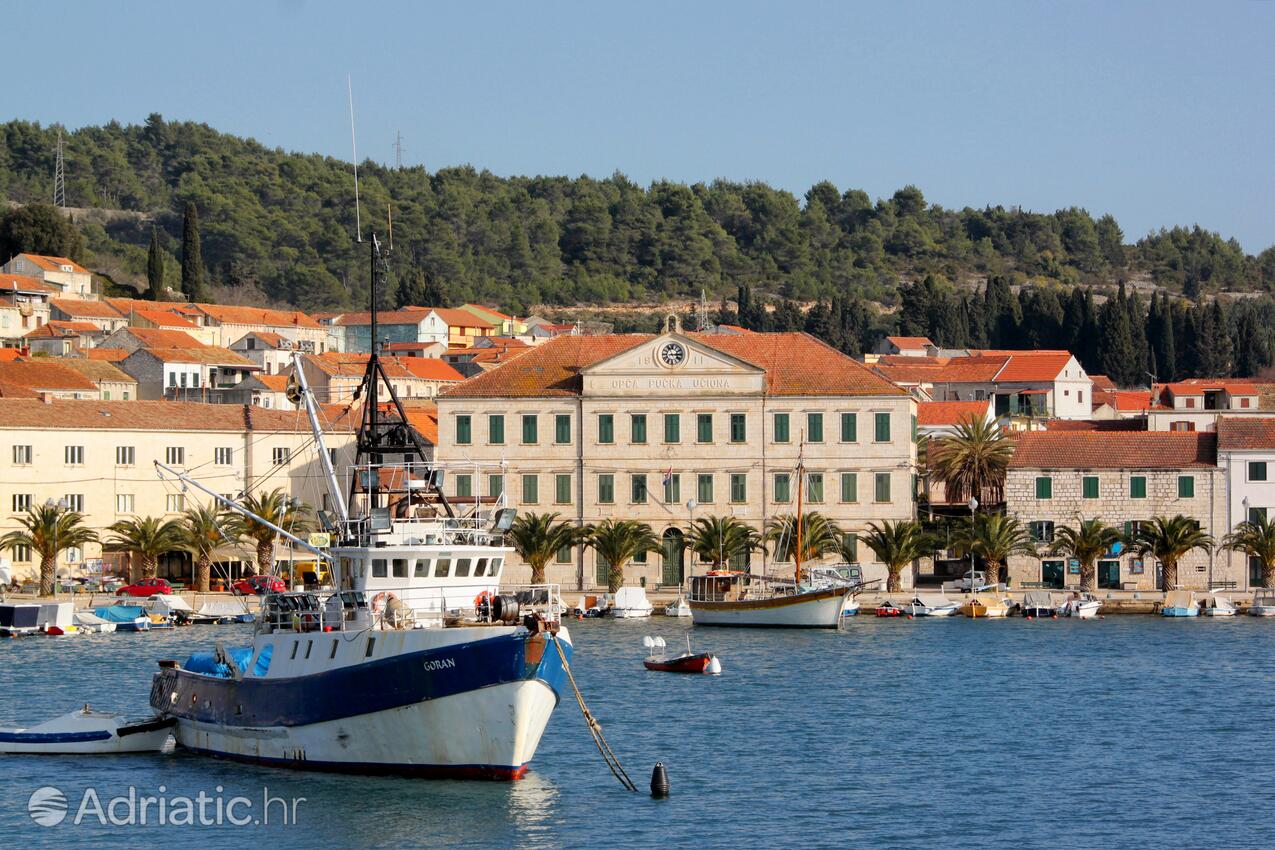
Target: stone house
(1124,478)
(71,279)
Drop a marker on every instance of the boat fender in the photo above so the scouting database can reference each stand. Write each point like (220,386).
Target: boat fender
(380,600)
(659,781)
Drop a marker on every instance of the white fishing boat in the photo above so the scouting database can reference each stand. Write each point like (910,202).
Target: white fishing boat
(1180,603)
(631,604)
(90,623)
(678,607)
(417,662)
(167,608)
(225,611)
(1263,604)
(850,607)
(1217,605)
(87,732)
(58,618)
(930,605)
(1083,606)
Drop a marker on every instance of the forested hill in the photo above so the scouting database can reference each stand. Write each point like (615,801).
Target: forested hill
(283,222)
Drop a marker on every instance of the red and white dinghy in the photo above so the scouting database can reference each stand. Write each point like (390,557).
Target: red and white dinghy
(687,662)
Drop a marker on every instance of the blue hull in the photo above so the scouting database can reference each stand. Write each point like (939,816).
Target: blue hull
(1180,612)
(361,688)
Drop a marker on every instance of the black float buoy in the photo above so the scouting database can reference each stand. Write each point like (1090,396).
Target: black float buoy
(659,781)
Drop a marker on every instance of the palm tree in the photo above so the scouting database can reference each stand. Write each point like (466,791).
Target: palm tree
(717,539)
(274,506)
(537,537)
(819,536)
(202,531)
(972,462)
(144,540)
(618,541)
(47,530)
(994,538)
(1086,543)
(896,545)
(1169,540)
(1256,539)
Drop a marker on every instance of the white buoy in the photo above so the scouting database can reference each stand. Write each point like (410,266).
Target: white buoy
(659,641)
(648,642)
(714,667)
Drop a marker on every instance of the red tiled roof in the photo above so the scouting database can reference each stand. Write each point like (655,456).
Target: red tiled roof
(25,283)
(794,363)
(152,416)
(113,355)
(1034,366)
(483,312)
(940,413)
(456,317)
(423,416)
(1095,424)
(1113,450)
(1198,386)
(257,316)
(57,329)
(406,316)
(8,389)
(939,370)
(163,338)
(44,375)
(1245,433)
(341,364)
(1124,399)
(97,370)
(735,329)
(8,355)
(270,338)
(430,369)
(210,355)
(165,319)
(86,309)
(276,383)
(1102,382)
(54,264)
(909,342)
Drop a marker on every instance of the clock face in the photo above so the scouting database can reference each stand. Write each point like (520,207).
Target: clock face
(672,354)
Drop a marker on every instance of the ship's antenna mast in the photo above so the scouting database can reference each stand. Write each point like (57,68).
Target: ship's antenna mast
(354,146)
(59,177)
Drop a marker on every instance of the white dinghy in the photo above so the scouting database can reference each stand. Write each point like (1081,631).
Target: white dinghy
(90,623)
(678,608)
(88,731)
(631,603)
(1217,605)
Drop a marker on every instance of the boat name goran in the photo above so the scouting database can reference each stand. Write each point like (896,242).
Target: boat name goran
(440,664)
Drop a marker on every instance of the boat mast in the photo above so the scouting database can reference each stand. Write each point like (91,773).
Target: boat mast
(801,474)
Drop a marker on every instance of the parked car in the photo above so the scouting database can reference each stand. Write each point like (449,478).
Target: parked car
(258,585)
(145,587)
(979,577)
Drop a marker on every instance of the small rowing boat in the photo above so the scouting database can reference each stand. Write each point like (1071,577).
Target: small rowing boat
(87,732)
(688,662)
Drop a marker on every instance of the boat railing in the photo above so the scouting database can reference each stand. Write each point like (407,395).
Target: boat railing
(408,607)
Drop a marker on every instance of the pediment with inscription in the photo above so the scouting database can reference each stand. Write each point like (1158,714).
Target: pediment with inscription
(672,364)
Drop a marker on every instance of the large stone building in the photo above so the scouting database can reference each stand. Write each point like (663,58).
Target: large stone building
(1124,478)
(1246,454)
(665,428)
(98,455)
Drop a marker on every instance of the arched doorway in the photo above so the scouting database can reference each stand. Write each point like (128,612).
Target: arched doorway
(674,550)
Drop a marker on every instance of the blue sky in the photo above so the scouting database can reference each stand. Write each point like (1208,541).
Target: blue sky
(1158,112)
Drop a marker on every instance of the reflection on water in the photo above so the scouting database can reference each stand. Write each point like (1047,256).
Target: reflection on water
(1131,731)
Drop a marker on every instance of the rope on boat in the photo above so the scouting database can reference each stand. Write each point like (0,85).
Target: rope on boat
(595,728)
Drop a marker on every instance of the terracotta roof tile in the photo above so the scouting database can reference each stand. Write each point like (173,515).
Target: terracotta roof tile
(165,319)
(153,416)
(430,369)
(1034,366)
(44,375)
(163,338)
(54,264)
(57,329)
(406,316)
(25,283)
(257,316)
(86,309)
(1198,386)
(1138,424)
(1113,450)
(97,370)
(8,389)
(909,342)
(269,338)
(277,383)
(8,355)
(210,355)
(1234,432)
(794,363)
(940,413)
(113,355)
(1102,382)
(456,317)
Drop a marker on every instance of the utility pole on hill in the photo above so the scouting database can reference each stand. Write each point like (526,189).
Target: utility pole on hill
(59,177)
(398,149)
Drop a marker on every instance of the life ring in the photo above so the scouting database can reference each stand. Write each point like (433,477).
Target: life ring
(380,600)
(482,599)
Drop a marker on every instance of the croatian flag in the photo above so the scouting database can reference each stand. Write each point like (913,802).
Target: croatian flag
(668,476)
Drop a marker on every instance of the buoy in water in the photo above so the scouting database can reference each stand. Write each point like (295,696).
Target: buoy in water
(714,667)
(659,781)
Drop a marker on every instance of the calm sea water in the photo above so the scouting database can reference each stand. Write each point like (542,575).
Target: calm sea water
(1124,732)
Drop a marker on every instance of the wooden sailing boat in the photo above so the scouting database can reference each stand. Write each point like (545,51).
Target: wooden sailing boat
(739,598)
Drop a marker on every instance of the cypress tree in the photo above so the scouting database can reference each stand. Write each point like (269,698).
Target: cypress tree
(1223,352)
(1199,360)
(1138,329)
(1160,337)
(155,269)
(192,256)
(1116,355)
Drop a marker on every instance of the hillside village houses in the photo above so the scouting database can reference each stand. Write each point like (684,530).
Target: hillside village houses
(24,306)
(98,455)
(71,279)
(669,427)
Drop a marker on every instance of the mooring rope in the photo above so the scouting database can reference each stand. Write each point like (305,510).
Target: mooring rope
(595,729)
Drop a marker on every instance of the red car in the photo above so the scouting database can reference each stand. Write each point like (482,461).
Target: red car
(145,587)
(259,585)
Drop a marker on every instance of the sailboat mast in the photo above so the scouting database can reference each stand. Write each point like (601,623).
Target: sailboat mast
(801,474)
(374,413)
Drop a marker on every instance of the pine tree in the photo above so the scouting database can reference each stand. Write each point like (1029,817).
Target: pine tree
(155,269)
(192,256)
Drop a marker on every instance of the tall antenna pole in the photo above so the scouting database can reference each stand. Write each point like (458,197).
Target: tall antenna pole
(354,145)
(398,149)
(59,177)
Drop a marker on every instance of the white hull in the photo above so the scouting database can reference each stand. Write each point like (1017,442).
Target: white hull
(630,613)
(85,733)
(498,727)
(786,612)
(1262,611)
(1215,612)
